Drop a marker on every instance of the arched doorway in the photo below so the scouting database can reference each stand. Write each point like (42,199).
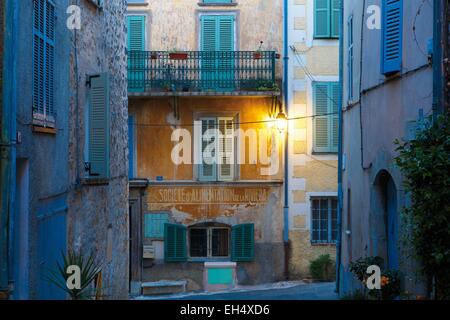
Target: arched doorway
(388,206)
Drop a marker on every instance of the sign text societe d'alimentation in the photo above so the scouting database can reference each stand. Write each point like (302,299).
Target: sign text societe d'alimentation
(213,195)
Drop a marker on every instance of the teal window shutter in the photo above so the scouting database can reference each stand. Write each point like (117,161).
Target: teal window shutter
(44,21)
(136,33)
(243,242)
(350,48)
(326,119)
(392,36)
(154,225)
(321,119)
(334,108)
(335,17)
(175,243)
(322,18)
(99,124)
(208,168)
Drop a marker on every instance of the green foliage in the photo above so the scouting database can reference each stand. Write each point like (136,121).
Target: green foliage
(359,267)
(425,164)
(89,271)
(323,268)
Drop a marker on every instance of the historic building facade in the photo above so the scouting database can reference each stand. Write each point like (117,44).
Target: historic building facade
(313,94)
(64,181)
(385,97)
(205,75)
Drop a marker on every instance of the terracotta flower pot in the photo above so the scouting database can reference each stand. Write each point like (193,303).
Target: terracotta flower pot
(178,56)
(257,56)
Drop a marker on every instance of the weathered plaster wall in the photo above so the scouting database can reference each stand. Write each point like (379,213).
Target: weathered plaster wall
(264,212)
(311,174)
(98,214)
(257,20)
(390,110)
(153,120)
(46,153)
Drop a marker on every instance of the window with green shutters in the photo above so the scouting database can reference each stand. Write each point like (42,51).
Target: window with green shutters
(136,33)
(326,18)
(98,127)
(243,242)
(175,243)
(44,21)
(326,119)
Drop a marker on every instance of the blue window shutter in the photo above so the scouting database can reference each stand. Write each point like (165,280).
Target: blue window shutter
(175,243)
(335,17)
(243,242)
(321,118)
(131,147)
(209,33)
(392,36)
(99,124)
(43,57)
(322,21)
(226,149)
(136,57)
(350,49)
(154,225)
(208,168)
(334,109)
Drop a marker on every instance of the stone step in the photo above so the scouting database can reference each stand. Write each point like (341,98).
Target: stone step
(163,287)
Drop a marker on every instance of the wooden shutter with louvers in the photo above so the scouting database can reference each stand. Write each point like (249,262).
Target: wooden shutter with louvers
(243,242)
(334,109)
(226,148)
(136,33)
(175,243)
(208,141)
(154,225)
(321,119)
(43,59)
(392,36)
(322,21)
(99,126)
(335,17)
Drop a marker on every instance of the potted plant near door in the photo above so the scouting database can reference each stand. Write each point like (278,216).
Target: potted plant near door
(257,55)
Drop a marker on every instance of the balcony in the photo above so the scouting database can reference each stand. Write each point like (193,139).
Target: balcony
(202,73)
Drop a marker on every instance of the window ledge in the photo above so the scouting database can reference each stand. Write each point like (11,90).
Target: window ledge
(205,260)
(212,183)
(44,130)
(94,181)
(323,244)
(224,4)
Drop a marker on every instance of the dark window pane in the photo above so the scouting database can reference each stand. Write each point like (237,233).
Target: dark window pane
(199,242)
(334,204)
(220,243)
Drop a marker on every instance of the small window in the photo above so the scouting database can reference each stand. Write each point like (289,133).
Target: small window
(209,242)
(324,220)
(326,19)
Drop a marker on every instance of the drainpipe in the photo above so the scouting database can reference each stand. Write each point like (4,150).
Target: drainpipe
(286,144)
(7,138)
(340,159)
(438,67)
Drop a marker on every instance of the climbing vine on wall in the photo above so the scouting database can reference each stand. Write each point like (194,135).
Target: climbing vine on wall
(425,164)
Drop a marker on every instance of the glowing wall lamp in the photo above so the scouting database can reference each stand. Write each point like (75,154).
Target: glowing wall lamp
(282,121)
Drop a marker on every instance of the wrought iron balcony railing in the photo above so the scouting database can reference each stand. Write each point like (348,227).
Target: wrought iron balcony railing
(201,71)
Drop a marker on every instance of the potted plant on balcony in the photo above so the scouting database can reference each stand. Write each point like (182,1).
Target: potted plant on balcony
(178,55)
(257,55)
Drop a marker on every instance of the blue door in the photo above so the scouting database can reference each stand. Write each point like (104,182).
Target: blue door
(52,243)
(392,225)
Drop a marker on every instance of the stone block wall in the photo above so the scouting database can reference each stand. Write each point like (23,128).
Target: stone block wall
(98,220)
